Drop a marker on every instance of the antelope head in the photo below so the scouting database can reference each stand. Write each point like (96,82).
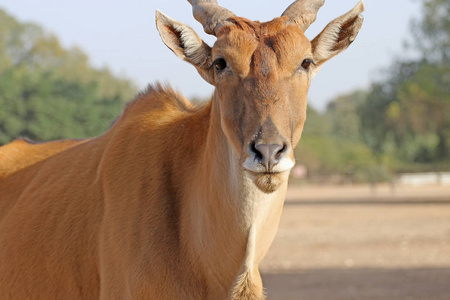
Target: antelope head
(262,72)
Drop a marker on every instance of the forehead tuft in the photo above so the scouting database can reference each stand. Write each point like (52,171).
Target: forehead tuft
(276,30)
(258,29)
(239,24)
(277,34)
(243,42)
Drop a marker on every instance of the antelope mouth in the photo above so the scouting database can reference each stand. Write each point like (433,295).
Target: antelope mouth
(268,182)
(253,166)
(261,173)
(268,165)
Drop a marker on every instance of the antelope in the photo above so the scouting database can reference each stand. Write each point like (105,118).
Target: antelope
(174,201)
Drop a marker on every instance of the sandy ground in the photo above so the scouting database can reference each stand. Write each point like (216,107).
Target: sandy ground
(361,243)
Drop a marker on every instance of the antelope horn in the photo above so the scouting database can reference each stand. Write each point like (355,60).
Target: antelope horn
(210,14)
(303,12)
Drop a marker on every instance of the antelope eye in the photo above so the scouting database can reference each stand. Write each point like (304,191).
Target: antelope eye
(306,64)
(220,64)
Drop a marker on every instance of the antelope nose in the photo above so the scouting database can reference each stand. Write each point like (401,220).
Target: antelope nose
(269,154)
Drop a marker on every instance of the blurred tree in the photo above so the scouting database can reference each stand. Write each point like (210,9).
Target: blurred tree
(431,32)
(343,115)
(49,92)
(421,112)
(401,123)
(318,125)
(331,142)
(430,86)
(408,113)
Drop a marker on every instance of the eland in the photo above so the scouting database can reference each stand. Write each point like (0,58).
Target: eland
(173,201)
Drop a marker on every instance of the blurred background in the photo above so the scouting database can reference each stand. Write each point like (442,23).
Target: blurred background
(368,212)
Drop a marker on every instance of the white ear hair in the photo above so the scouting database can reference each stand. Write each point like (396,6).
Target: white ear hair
(338,34)
(186,44)
(183,40)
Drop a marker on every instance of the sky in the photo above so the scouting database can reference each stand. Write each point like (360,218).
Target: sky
(122,35)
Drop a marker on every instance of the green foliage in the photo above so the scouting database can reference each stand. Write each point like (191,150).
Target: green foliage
(48,92)
(399,124)
(332,144)
(342,112)
(408,115)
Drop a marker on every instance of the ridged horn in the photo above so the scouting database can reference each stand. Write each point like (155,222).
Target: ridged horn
(303,12)
(210,14)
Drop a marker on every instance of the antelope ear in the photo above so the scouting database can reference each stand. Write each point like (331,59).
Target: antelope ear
(338,35)
(185,43)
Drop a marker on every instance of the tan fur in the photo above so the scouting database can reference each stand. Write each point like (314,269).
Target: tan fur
(21,153)
(171,202)
(246,288)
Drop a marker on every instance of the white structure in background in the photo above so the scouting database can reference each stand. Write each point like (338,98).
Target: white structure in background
(299,171)
(419,179)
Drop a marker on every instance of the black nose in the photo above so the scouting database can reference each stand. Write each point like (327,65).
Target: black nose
(268,154)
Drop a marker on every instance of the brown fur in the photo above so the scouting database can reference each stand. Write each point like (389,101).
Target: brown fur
(22,152)
(68,214)
(169,202)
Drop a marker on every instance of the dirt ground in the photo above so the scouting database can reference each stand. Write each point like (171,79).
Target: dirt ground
(361,243)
